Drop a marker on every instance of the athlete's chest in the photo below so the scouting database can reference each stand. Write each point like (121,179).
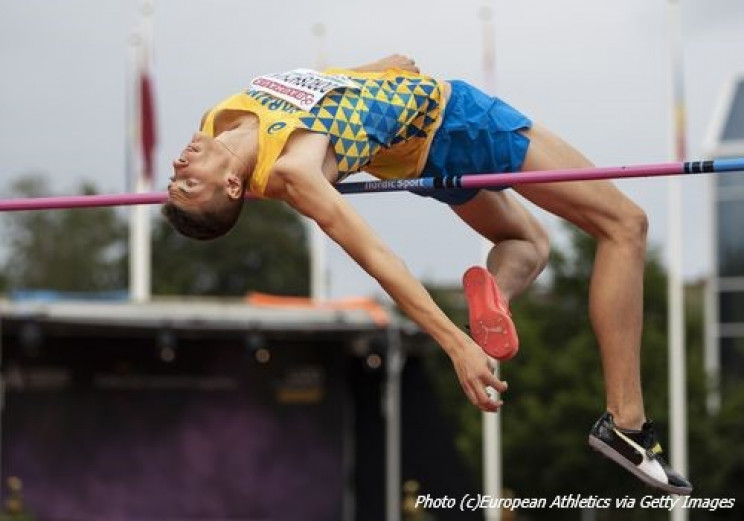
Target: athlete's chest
(307,151)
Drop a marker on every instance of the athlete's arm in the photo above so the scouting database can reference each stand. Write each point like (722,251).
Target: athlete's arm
(394,61)
(300,181)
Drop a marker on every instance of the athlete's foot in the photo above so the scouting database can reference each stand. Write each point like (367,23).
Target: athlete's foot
(639,452)
(490,322)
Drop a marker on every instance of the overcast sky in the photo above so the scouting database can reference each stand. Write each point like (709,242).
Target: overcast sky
(594,71)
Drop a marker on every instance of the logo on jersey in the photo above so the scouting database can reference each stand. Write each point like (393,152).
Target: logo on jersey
(276,127)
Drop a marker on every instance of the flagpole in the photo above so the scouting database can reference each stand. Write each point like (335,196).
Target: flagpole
(676,326)
(316,237)
(141,148)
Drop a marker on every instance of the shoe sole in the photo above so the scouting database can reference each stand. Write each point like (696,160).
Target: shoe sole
(610,453)
(491,328)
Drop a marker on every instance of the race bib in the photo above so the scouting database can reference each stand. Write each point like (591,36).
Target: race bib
(303,88)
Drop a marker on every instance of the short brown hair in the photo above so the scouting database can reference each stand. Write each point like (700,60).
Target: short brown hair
(205,224)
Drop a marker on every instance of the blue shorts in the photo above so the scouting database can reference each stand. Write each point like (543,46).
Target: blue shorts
(479,134)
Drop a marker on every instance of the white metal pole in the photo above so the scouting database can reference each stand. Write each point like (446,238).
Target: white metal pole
(316,238)
(677,352)
(2,399)
(712,352)
(492,460)
(492,456)
(132,161)
(318,269)
(140,257)
(712,360)
(392,407)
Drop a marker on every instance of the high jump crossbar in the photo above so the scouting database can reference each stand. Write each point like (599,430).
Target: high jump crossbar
(422,184)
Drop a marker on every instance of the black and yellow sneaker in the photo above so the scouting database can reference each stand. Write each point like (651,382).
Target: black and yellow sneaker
(638,452)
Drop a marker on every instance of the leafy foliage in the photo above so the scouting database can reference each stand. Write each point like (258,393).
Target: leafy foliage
(65,250)
(266,251)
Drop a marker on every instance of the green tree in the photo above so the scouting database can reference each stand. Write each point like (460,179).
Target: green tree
(266,252)
(64,250)
(86,250)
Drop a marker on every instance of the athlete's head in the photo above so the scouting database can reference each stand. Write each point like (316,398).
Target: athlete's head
(204,195)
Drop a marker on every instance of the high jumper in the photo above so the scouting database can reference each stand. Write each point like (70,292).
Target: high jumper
(293,136)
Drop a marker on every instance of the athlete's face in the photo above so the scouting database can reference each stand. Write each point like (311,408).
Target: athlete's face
(197,171)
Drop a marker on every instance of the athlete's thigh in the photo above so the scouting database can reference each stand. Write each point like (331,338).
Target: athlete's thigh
(498,216)
(594,206)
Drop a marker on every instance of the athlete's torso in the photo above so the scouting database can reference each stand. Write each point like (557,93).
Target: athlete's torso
(382,123)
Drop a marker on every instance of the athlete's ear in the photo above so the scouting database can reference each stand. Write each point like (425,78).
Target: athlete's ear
(234,186)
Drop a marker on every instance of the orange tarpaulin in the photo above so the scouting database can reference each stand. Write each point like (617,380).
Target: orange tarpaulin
(376,312)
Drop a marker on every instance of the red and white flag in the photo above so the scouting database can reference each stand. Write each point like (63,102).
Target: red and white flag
(147,129)
(144,129)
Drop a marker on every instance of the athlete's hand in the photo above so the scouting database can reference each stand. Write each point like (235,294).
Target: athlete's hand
(475,371)
(394,61)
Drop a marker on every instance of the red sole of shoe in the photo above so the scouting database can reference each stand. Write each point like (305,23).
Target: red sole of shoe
(490,327)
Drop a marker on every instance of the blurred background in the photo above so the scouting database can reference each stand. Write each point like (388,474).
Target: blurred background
(198,400)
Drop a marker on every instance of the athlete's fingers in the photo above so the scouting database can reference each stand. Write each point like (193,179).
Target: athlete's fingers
(483,401)
(492,380)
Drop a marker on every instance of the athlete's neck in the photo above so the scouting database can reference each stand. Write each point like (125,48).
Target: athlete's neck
(241,141)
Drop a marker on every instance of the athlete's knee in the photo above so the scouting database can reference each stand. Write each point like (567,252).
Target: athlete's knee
(541,243)
(630,225)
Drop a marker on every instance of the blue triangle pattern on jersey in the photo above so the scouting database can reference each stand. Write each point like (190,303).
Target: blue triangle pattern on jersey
(349,145)
(373,88)
(326,122)
(374,119)
(342,125)
(348,113)
(420,100)
(308,121)
(405,96)
(383,113)
(393,112)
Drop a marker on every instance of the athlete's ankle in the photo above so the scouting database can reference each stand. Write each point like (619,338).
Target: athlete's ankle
(628,419)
